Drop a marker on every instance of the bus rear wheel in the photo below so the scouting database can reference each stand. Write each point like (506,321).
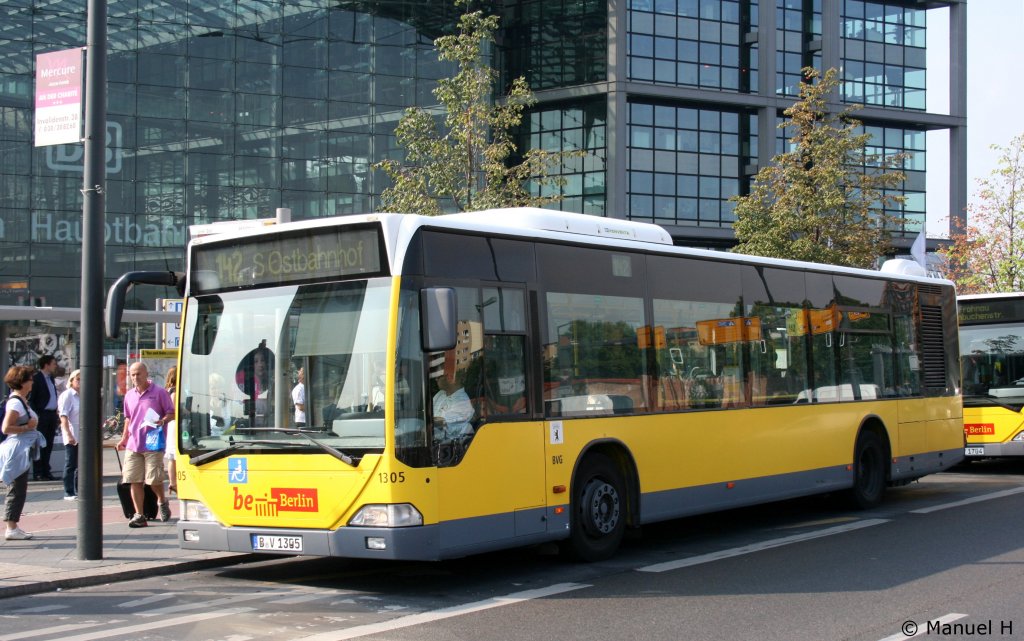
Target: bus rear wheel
(598,509)
(868,471)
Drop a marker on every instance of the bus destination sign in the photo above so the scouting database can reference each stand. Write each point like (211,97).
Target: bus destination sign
(977,312)
(279,260)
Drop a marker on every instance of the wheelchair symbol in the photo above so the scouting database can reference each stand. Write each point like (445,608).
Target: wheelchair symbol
(238,470)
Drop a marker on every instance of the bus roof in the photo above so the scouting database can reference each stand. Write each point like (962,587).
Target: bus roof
(544,224)
(570,223)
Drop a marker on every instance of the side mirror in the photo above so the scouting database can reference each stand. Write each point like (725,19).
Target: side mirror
(116,294)
(438,315)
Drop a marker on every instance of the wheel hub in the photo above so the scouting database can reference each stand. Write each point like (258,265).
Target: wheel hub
(603,507)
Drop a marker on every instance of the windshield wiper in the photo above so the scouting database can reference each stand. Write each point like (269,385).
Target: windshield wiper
(338,454)
(216,455)
(341,456)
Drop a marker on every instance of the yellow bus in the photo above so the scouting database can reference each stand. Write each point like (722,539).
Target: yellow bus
(992,354)
(487,380)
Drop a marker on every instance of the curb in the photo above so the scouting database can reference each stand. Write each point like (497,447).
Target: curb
(113,574)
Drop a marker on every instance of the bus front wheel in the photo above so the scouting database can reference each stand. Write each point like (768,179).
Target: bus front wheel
(869,462)
(598,509)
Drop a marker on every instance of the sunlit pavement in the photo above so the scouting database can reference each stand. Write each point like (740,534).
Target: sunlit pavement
(49,561)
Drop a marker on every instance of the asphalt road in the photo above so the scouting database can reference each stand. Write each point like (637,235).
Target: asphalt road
(947,552)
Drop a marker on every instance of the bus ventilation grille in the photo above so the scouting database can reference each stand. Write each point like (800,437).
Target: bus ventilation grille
(933,351)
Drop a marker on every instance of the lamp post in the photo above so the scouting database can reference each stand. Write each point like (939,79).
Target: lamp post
(90,459)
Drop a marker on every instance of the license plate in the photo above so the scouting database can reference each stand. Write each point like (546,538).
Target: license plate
(974,451)
(277,543)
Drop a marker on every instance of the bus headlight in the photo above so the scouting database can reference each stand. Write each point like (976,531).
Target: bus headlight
(1019,437)
(195,511)
(379,515)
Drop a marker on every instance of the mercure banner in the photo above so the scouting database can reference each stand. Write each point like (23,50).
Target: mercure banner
(59,97)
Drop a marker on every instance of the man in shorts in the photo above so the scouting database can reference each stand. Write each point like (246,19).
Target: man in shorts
(147,406)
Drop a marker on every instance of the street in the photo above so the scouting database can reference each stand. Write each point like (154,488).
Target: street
(945,550)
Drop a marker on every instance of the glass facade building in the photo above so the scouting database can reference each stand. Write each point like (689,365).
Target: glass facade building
(229,110)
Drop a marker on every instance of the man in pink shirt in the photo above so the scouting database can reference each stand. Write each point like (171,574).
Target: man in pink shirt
(147,407)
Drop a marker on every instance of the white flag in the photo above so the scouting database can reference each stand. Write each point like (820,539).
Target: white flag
(917,250)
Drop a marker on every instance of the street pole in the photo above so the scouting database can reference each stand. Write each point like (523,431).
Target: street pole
(90,443)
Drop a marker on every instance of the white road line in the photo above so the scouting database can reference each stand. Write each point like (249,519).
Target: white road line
(148,600)
(148,626)
(226,601)
(43,608)
(57,629)
(975,499)
(917,628)
(444,613)
(302,598)
(757,547)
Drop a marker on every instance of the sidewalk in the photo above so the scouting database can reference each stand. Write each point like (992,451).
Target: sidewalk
(49,561)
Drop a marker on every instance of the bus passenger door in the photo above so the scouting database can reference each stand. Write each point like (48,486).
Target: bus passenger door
(490,468)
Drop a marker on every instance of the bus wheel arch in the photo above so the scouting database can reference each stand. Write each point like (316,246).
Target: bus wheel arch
(871,456)
(603,501)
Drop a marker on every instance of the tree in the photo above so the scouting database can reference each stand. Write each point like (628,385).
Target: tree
(468,166)
(825,200)
(987,254)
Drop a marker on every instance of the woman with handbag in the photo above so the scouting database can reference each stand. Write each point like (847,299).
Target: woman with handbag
(19,428)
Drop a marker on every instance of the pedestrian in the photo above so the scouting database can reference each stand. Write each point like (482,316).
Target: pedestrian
(171,385)
(19,426)
(68,408)
(60,380)
(171,382)
(299,399)
(147,410)
(43,400)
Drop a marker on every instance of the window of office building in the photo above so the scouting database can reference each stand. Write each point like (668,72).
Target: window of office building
(693,43)
(887,142)
(884,60)
(570,129)
(557,43)
(798,31)
(685,162)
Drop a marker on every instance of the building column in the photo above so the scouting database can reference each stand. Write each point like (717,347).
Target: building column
(831,39)
(617,123)
(767,44)
(958,108)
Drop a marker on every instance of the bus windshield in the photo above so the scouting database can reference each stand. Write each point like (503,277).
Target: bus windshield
(280,368)
(993,361)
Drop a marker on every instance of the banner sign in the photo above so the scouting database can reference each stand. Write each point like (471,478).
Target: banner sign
(59,77)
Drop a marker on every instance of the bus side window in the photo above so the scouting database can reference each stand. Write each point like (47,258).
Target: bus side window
(503,377)
(453,414)
(499,388)
(595,351)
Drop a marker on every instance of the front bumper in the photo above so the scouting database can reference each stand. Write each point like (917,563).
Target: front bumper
(1013,448)
(419,543)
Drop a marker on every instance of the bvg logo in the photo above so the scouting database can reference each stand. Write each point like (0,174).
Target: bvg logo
(281,499)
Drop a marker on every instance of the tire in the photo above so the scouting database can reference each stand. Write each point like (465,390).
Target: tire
(869,462)
(598,520)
